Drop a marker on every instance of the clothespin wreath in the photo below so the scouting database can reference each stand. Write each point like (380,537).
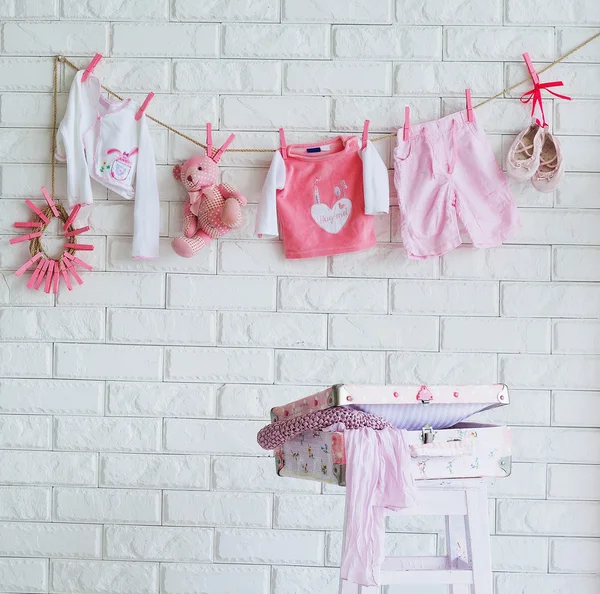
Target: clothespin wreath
(535,95)
(50,268)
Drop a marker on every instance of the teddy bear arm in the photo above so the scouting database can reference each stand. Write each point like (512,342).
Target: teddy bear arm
(230,192)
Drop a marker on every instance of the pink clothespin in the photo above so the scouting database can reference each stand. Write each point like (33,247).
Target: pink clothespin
(91,67)
(535,95)
(209,142)
(470,117)
(86,247)
(76,260)
(24,238)
(72,270)
(223,148)
(365,134)
(77,231)
(50,202)
(40,277)
(142,109)
(72,216)
(36,273)
(55,278)
(28,264)
(49,274)
(27,225)
(406,131)
(65,276)
(37,211)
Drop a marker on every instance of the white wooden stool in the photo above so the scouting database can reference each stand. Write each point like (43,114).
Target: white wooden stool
(466,567)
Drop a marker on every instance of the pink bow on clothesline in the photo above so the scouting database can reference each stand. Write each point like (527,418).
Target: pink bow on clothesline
(535,94)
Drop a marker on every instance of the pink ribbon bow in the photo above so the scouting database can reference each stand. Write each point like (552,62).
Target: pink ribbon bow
(535,95)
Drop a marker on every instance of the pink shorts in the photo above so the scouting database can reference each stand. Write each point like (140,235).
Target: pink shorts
(444,173)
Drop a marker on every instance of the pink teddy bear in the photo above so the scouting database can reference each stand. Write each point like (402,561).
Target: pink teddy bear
(212,210)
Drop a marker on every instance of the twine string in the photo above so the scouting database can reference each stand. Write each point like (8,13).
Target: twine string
(375,139)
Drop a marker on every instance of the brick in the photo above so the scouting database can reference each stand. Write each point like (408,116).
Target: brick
(147,326)
(555,444)
(101,506)
(568,38)
(106,434)
(574,481)
(575,409)
(558,226)
(30,110)
(178,578)
(250,179)
(154,471)
(153,543)
(116,218)
(519,554)
(269,546)
(25,432)
(136,10)
(55,38)
(495,335)
(228,76)
(47,324)
(387,43)
(333,295)
(117,290)
(230,473)
(575,263)
(309,512)
(24,575)
(303,580)
(562,300)
(349,113)
(497,43)
(574,555)
(577,191)
(104,577)
(14,291)
(455,12)
(25,359)
(505,263)
(165,40)
(212,437)
(26,74)
(278,330)
(276,41)
(226,10)
(337,11)
(383,261)
(218,364)
(553,518)
(383,332)
(25,503)
(260,113)
(217,509)
(116,362)
(550,371)
(321,367)
(36,9)
(526,481)
(436,297)
(24,145)
(332,78)
(447,78)
(580,120)
(554,13)
(160,400)
(47,468)
(265,257)
(545,584)
(50,540)
(576,336)
(221,292)
(441,368)
(527,407)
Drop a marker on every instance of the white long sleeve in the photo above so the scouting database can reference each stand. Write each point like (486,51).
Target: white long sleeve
(375,181)
(146,210)
(266,218)
(78,118)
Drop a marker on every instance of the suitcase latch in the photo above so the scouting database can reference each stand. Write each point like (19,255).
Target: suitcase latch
(427,434)
(424,396)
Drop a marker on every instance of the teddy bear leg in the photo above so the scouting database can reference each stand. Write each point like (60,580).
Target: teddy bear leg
(186,247)
(190,222)
(231,214)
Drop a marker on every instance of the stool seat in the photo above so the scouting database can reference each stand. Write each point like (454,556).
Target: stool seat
(466,567)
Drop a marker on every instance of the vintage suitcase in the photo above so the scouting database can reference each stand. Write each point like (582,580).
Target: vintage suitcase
(443,443)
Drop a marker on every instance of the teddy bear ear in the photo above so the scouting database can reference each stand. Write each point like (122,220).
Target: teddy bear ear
(177,172)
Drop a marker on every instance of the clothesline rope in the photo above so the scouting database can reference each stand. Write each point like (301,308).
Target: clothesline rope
(261,150)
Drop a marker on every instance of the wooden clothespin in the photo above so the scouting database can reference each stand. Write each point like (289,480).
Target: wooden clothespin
(406,130)
(142,109)
(50,202)
(91,67)
(469,105)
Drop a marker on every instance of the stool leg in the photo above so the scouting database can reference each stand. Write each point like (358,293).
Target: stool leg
(458,557)
(479,536)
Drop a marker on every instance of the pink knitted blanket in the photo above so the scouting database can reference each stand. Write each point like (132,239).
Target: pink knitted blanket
(277,433)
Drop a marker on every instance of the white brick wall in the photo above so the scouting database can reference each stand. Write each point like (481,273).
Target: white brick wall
(129,406)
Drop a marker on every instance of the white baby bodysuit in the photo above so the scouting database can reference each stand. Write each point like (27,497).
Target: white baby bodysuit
(101,139)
